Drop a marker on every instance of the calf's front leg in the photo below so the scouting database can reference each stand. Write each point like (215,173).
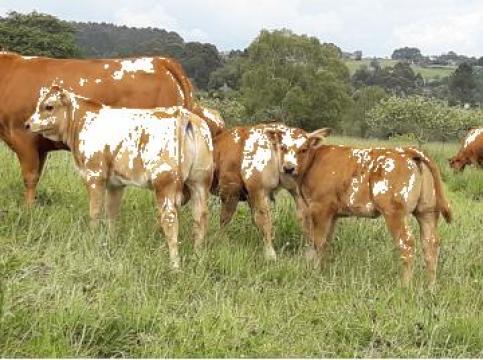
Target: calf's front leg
(261,217)
(96,188)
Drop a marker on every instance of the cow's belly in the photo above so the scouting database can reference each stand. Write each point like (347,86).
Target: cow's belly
(139,181)
(360,209)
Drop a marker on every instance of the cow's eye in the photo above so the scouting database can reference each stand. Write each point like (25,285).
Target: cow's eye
(303,150)
(49,107)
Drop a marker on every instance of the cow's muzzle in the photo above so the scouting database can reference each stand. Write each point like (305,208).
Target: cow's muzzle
(288,169)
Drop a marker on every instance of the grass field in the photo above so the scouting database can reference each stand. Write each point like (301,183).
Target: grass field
(67,291)
(426,72)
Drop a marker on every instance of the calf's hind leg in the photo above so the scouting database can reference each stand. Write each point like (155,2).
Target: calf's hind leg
(404,240)
(113,204)
(168,219)
(430,241)
(261,217)
(321,227)
(199,194)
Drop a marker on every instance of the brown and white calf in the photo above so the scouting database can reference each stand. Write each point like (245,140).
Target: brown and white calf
(246,168)
(339,181)
(165,149)
(471,152)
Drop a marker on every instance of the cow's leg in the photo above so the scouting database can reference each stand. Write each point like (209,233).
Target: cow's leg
(199,194)
(260,205)
(322,221)
(430,241)
(96,187)
(168,219)
(302,214)
(113,204)
(31,162)
(229,203)
(401,233)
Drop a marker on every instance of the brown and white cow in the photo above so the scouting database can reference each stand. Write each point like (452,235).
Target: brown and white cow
(164,149)
(471,152)
(145,82)
(246,168)
(339,181)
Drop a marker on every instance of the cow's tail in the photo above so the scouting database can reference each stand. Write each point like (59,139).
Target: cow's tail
(441,201)
(183,81)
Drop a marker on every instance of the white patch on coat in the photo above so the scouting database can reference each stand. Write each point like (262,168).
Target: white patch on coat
(98,81)
(123,139)
(29,57)
(362,155)
(389,165)
(236,136)
(106,66)
(257,152)
(471,137)
(131,66)
(407,188)
(380,187)
(82,81)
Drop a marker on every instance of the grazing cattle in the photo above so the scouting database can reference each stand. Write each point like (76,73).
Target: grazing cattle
(146,82)
(165,149)
(471,152)
(341,181)
(246,168)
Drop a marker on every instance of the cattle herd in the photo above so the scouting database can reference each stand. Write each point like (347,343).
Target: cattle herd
(135,122)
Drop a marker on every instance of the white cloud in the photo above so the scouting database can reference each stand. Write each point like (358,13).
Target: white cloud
(157,17)
(461,33)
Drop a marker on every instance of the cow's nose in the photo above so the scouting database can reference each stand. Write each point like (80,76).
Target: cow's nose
(289,169)
(27,126)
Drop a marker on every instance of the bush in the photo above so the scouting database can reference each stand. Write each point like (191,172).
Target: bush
(426,119)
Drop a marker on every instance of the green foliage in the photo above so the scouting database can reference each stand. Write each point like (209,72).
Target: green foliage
(296,79)
(231,109)
(354,121)
(426,119)
(230,73)
(407,53)
(110,41)
(37,34)
(399,79)
(462,85)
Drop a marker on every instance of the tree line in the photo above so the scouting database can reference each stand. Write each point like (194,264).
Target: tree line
(280,76)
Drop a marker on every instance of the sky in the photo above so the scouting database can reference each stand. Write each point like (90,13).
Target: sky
(376,27)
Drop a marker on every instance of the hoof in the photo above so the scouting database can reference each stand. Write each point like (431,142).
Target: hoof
(270,254)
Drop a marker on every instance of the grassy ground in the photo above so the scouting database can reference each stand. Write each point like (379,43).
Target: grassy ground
(65,292)
(426,72)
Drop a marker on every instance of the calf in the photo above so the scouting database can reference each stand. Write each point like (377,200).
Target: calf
(164,149)
(471,151)
(341,181)
(246,168)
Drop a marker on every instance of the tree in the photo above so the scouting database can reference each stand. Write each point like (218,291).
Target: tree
(295,78)
(37,34)
(407,53)
(425,119)
(462,85)
(364,99)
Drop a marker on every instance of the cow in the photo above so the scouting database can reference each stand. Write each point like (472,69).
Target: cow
(471,152)
(246,169)
(145,82)
(165,149)
(340,181)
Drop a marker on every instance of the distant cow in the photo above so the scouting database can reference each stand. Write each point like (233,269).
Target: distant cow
(246,168)
(164,149)
(339,181)
(471,152)
(146,82)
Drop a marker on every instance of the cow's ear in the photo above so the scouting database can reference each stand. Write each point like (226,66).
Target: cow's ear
(274,135)
(317,137)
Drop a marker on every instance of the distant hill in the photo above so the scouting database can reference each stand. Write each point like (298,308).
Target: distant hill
(427,72)
(102,40)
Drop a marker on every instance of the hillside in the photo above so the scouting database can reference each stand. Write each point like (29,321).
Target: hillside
(427,73)
(101,40)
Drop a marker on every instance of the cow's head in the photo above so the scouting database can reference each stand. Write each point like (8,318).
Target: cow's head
(457,164)
(51,116)
(295,147)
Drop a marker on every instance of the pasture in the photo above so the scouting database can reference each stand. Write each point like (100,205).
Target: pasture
(427,72)
(68,291)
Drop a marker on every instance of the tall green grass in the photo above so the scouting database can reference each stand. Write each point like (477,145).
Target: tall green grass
(68,291)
